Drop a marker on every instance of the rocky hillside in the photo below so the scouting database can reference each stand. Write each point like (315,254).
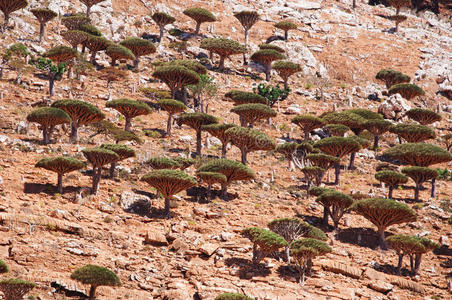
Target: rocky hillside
(200,252)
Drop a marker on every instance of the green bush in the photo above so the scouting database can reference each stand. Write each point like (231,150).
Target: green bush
(391,77)
(406,90)
(95,276)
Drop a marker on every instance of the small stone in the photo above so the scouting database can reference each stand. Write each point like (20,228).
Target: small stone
(179,246)
(226,236)
(381,286)
(155,238)
(208,248)
(444,240)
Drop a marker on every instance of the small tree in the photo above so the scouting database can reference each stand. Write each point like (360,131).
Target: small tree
(253,112)
(429,245)
(350,119)
(139,47)
(129,109)
(286,26)
(392,178)
(323,161)
(337,129)
(384,213)
(313,174)
(211,178)
(3,267)
(43,15)
(447,140)
(377,127)
(335,204)
(423,116)
(112,74)
(199,15)
(159,163)
(241,97)
(172,107)
(420,154)
(264,242)
(162,19)
(232,296)
(307,123)
(338,147)
(406,90)
(247,18)
(391,77)
(271,47)
(15,57)
(15,289)
(288,150)
(10,6)
(81,113)
(413,133)
(223,47)
(118,52)
(96,44)
(48,118)
(75,22)
(176,76)
(304,250)
(286,69)
(122,151)
(203,91)
(218,131)
(89,4)
(196,121)
(248,140)
(233,170)
(273,94)
(266,57)
(168,183)
(398,4)
(75,37)
(95,276)
(60,165)
(99,157)
(364,143)
(420,175)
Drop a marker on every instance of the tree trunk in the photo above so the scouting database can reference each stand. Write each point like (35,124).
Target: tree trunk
(41,32)
(198,142)
(306,135)
(435,8)
(354,4)
(376,139)
(113,62)
(286,35)
(198,26)
(18,79)
(97,173)
(88,10)
(221,63)
(209,193)
(351,165)
(416,192)
(60,183)
(286,83)
(411,265)
(46,136)
(268,71)
(93,57)
(5,24)
(112,170)
(243,156)
(337,171)
(73,138)
(417,263)
(399,265)
(167,208)
(326,212)
(168,124)
(381,237)
(223,150)
(245,62)
(136,62)
(433,193)
(390,192)
(51,85)
(162,29)
(128,125)
(396,27)
(287,254)
(224,191)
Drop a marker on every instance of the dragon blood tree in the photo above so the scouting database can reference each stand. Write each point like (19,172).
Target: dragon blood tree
(232,296)
(89,4)
(75,37)
(423,116)
(420,175)
(162,19)
(335,204)
(111,74)
(75,22)
(122,151)
(339,147)
(14,289)
(168,183)
(60,165)
(384,213)
(307,123)
(48,118)
(313,174)
(413,133)
(233,170)
(247,18)
(292,229)
(223,47)
(406,90)
(129,109)
(43,15)
(99,157)
(398,4)
(286,26)
(253,112)
(377,127)
(271,47)
(392,178)
(211,178)
(218,131)
(264,242)
(176,76)
(8,7)
(304,250)
(199,15)
(391,77)
(196,121)
(139,47)
(172,107)
(95,276)
(266,57)
(364,143)
(337,129)
(242,97)
(413,246)
(184,162)
(159,163)
(352,120)
(322,160)
(248,140)
(118,52)
(81,113)
(96,44)
(285,69)
(447,140)
(288,150)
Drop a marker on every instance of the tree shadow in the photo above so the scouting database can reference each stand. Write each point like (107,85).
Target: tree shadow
(273,38)
(247,269)
(159,130)
(48,188)
(288,271)
(198,194)
(443,250)
(363,237)
(315,221)
(37,141)
(392,270)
